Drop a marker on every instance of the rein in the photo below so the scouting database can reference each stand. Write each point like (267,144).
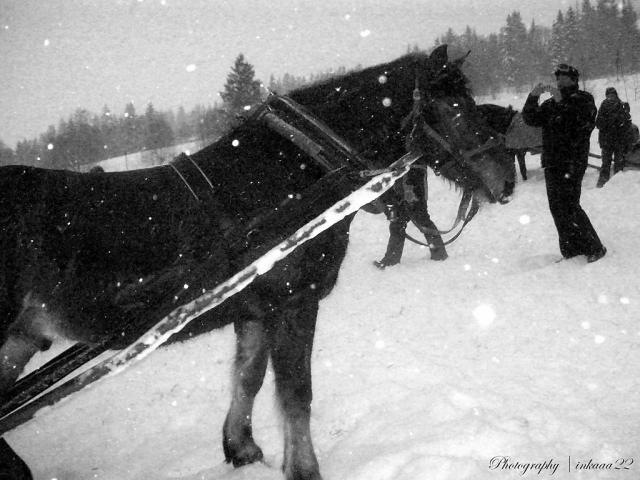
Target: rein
(465,213)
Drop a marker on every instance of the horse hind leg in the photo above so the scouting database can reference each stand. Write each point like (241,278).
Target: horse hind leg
(249,370)
(291,345)
(31,332)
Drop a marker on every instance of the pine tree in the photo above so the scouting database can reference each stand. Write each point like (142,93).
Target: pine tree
(7,157)
(558,44)
(588,41)
(241,89)
(573,39)
(183,128)
(157,132)
(514,50)
(538,45)
(630,36)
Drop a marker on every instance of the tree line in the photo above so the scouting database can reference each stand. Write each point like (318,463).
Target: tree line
(599,39)
(86,138)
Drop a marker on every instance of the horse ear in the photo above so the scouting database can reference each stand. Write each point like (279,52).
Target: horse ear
(439,56)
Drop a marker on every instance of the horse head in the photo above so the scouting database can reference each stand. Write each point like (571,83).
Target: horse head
(457,141)
(385,110)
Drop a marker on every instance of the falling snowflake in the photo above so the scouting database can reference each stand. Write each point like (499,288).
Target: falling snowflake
(46,42)
(365,33)
(485,315)
(382,79)
(191,67)
(524,219)
(50,146)
(386,101)
(235,143)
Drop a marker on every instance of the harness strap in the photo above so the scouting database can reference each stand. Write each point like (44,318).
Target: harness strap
(307,132)
(175,169)
(490,144)
(193,177)
(467,217)
(302,141)
(320,127)
(199,169)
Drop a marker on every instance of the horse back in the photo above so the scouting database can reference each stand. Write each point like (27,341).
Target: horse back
(98,250)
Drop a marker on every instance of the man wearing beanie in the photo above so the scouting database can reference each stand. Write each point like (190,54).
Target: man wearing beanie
(567,120)
(614,124)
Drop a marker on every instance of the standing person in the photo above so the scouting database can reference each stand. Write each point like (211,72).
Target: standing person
(614,123)
(567,120)
(410,204)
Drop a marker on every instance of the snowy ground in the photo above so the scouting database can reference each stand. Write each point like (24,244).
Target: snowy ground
(426,370)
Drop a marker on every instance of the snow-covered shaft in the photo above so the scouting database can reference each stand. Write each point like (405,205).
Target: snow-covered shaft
(181,316)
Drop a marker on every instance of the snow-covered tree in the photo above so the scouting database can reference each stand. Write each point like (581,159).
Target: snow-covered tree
(515,54)
(241,89)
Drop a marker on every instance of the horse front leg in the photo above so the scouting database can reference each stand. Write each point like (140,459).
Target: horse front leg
(252,354)
(12,467)
(291,346)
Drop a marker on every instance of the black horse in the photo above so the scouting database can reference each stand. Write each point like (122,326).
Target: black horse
(89,256)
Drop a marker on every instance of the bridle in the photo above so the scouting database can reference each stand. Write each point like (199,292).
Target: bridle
(458,159)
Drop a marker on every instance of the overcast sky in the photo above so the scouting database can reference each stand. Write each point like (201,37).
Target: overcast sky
(59,55)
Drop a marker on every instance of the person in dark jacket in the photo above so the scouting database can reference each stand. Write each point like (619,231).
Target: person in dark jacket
(567,120)
(614,123)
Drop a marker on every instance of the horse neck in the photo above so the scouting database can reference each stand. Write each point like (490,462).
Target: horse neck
(373,130)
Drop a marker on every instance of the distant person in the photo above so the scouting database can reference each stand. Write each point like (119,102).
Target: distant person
(614,125)
(567,120)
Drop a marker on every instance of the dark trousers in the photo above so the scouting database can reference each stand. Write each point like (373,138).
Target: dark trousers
(576,234)
(611,154)
(398,225)
(411,205)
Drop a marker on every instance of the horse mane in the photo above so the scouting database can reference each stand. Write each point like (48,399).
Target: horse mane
(449,80)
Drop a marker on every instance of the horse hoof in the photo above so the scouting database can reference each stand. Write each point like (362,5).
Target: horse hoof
(241,455)
(439,256)
(304,476)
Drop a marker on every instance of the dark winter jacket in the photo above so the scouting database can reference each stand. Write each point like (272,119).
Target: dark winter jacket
(613,122)
(566,127)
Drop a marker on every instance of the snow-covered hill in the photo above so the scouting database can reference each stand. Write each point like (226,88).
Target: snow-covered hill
(427,370)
